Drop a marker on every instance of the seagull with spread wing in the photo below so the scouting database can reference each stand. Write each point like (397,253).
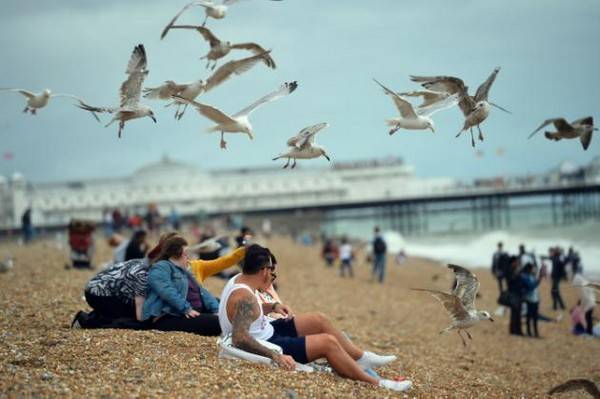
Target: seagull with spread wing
(238,122)
(580,128)
(213,10)
(36,101)
(220,48)
(191,90)
(131,89)
(411,119)
(302,146)
(475,108)
(461,303)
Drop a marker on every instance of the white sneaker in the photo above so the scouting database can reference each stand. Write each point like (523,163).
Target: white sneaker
(370,360)
(400,386)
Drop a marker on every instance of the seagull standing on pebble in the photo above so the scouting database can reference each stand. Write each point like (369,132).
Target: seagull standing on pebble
(131,89)
(580,128)
(238,122)
(475,108)
(36,101)
(302,146)
(461,303)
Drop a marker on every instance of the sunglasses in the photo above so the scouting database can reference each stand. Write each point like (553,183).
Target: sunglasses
(273,274)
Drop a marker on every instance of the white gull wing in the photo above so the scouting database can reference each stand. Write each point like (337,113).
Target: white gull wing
(444,103)
(24,92)
(560,123)
(236,67)
(283,91)
(184,9)
(451,303)
(467,286)
(131,89)
(256,49)
(306,135)
(449,84)
(483,90)
(429,96)
(404,107)
(212,113)
(205,32)
(165,91)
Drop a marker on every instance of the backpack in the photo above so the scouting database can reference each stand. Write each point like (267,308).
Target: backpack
(379,246)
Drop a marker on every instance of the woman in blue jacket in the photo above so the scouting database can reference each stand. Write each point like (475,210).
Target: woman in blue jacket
(175,300)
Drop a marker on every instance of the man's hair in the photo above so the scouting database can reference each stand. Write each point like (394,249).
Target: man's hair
(256,258)
(171,248)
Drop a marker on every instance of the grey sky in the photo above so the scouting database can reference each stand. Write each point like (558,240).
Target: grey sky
(548,51)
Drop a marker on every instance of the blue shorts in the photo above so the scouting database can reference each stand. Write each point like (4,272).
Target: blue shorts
(286,336)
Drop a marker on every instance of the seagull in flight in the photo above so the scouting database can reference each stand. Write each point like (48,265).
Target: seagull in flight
(460,304)
(220,48)
(131,89)
(303,146)
(475,108)
(211,9)
(580,128)
(411,119)
(36,101)
(238,122)
(191,90)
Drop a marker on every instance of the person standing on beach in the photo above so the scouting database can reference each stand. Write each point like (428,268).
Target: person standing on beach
(557,274)
(329,252)
(516,290)
(379,250)
(346,258)
(27,226)
(531,282)
(500,265)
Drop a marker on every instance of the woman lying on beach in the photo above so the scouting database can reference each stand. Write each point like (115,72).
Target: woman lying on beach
(176,301)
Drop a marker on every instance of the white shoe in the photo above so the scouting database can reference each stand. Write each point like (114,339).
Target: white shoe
(400,386)
(370,360)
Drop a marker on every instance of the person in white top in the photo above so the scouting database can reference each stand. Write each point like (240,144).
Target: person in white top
(346,258)
(303,337)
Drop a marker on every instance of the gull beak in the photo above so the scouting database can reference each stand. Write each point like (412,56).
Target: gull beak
(153,118)
(492,320)
(326,156)
(432,129)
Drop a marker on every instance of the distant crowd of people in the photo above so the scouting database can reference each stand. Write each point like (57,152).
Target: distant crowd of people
(346,255)
(519,276)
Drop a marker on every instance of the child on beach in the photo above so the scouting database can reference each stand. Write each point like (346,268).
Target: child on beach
(346,258)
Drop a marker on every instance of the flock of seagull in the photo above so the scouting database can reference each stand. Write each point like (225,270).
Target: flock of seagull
(438,93)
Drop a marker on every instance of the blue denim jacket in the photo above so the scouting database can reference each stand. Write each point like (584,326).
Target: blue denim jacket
(167,292)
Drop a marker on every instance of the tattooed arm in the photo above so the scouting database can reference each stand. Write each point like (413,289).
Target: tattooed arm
(245,312)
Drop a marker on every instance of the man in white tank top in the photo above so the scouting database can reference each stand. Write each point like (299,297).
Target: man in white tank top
(303,338)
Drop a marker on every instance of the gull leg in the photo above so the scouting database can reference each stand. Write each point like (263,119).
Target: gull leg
(459,133)
(205,18)
(294,164)
(121,126)
(472,139)
(207,63)
(462,338)
(26,109)
(480,133)
(177,111)
(223,143)
(182,112)
(33,111)
(214,66)
(468,335)
(287,163)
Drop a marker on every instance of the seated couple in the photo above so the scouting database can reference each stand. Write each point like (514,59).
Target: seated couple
(157,292)
(303,337)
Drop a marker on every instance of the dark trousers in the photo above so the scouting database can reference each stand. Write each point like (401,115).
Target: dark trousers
(532,318)
(204,324)
(556,298)
(109,312)
(589,321)
(379,267)
(110,306)
(346,264)
(499,280)
(515,317)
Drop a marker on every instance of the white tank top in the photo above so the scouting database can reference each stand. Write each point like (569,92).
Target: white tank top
(260,328)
